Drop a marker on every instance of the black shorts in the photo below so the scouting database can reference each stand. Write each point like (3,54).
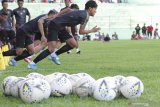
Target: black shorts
(37,36)
(22,39)
(63,35)
(53,30)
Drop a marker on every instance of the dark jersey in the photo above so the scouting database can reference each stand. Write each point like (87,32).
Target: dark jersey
(72,19)
(6,24)
(20,15)
(64,8)
(31,27)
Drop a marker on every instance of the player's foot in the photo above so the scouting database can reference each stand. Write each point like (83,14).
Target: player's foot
(50,57)
(78,52)
(12,62)
(32,66)
(68,52)
(56,61)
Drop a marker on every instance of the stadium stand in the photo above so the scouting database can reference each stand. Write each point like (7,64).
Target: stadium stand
(111,17)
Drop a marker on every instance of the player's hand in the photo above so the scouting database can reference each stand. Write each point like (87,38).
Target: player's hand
(95,29)
(13,28)
(43,39)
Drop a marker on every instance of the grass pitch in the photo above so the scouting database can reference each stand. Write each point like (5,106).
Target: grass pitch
(99,59)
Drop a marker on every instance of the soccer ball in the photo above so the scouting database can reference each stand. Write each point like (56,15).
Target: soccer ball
(103,90)
(33,90)
(6,84)
(119,80)
(35,75)
(50,78)
(61,86)
(132,87)
(63,74)
(16,85)
(82,74)
(55,75)
(83,86)
(46,88)
(73,79)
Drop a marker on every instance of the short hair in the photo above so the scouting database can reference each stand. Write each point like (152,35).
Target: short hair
(20,0)
(53,11)
(90,3)
(74,6)
(4,1)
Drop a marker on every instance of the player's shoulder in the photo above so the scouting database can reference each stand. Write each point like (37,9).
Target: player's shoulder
(24,8)
(15,9)
(9,10)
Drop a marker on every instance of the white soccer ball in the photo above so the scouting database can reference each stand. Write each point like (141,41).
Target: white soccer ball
(50,78)
(119,80)
(35,75)
(82,74)
(32,90)
(61,86)
(46,88)
(103,91)
(132,87)
(16,85)
(83,86)
(63,74)
(55,75)
(73,79)
(6,84)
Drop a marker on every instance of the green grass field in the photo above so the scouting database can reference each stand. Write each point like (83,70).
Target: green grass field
(124,57)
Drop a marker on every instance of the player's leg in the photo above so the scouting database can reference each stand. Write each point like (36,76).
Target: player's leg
(70,44)
(20,44)
(77,46)
(52,43)
(21,53)
(63,36)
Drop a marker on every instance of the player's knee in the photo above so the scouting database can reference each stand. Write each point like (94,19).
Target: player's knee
(31,52)
(19,51)
(51,49)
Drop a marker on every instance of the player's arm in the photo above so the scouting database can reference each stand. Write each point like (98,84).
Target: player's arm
(12,20)
(29,15)
(41,29)
(69,30)
(67,10)
(83,31)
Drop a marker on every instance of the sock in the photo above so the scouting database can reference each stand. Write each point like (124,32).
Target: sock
(54,53)
(69,51)
(25,54)
(42,55)
(77,50)
(11,52)
(64,49)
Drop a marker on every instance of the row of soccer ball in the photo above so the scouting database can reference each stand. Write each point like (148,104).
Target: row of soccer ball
(36,87)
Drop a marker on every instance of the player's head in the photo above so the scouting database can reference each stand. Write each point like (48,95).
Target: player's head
(74,6)
(20,3)
(67,2)
(4,4)
(52,13)
(91,7)
(3,16)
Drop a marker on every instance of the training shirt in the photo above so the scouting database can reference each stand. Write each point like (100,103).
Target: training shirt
(20,15)
(31,27)
(72,19)
(6,24)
